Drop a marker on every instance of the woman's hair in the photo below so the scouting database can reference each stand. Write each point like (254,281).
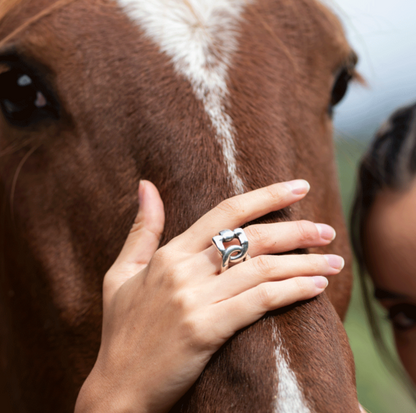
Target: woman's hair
(389,163)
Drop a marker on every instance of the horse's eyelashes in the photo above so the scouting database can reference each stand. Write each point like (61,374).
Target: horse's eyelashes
(24,99)
(340,87)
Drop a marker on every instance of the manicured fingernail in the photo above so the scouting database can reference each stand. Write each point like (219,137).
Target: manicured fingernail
(299,186)
(335,261)
(326,232)
(320,282)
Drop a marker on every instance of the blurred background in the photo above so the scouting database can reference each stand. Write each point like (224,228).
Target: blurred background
(383,33)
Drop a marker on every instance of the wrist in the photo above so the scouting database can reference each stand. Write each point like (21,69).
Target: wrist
(99,395)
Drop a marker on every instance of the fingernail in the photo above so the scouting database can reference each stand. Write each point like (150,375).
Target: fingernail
(335,261)
(326,232)
(320,282)
(299,186)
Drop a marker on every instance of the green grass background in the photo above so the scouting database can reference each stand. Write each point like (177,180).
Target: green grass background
(378,390)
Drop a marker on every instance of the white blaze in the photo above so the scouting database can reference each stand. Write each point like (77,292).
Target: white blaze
(200,37)
(289,398)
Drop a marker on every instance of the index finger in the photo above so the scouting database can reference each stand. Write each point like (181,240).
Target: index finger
(240,209)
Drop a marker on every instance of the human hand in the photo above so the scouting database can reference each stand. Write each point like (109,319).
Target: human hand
(167,311)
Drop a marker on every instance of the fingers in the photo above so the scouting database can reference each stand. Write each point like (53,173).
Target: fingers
(236,211)
(143,239)
(287,236)
(246,308)
(266,268)
(273,239)
(281,237)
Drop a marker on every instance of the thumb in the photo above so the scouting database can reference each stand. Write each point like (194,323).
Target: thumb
(143,239)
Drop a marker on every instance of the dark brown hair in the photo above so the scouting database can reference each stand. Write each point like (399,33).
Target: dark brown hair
(389,163)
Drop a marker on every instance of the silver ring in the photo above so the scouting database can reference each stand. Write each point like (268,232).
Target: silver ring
(234,253)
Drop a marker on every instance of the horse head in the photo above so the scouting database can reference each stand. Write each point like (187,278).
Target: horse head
(206,99)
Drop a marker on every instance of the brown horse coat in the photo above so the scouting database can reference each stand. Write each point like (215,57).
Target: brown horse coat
(126,108)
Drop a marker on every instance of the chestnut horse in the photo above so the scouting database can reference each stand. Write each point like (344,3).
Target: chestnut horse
(206,99)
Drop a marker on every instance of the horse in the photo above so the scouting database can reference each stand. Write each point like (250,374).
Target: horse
(206,99)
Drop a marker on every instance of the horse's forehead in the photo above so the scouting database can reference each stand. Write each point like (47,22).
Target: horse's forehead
(198,35)
(199,31)
(201,38)
(183,28)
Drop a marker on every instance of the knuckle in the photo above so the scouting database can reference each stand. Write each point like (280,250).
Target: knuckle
(179,268)
(276,193)
(263,296)
(186,299)
(170,261)
(162,257)
(262,265)
(179,301)
(137,227)
(256,235)
(190,328)
(316,263)
(302,286)
(194,332)
(173,279)
(166,267)
(231,207)
(307,231)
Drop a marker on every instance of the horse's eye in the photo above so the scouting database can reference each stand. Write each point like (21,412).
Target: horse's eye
(340,87)
(24,100)
(403,316)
